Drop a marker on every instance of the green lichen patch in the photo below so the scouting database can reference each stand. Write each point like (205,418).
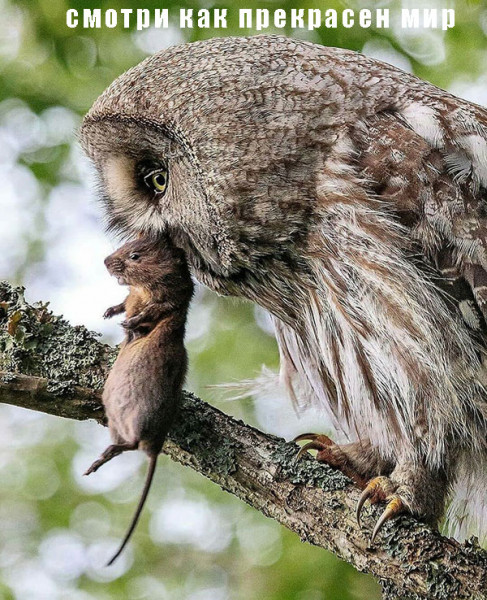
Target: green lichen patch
(195,432)
(34,341)
(440,583)
(8,377)
(306,470)
(390,592)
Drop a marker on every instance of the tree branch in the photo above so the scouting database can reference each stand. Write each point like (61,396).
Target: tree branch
(38,370)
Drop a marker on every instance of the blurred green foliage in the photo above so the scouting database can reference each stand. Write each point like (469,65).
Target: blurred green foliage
(54,527)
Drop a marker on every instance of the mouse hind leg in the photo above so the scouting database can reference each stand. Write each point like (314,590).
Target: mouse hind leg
(109,453)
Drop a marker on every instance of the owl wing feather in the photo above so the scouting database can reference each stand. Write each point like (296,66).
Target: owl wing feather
(434,179)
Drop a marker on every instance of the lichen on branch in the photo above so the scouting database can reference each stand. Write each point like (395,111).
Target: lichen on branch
(34,341)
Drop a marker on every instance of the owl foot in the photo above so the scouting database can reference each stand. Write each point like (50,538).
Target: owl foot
(404,486)
(382,489)
(334,455)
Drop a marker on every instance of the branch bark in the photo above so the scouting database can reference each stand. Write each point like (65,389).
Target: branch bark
(410,561)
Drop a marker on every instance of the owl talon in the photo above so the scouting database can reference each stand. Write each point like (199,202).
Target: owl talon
(381,489)
(334,455)
(395,506)
(305,436)
(324,440)
(319,442)
(367,493)
(377,490)
(306,447)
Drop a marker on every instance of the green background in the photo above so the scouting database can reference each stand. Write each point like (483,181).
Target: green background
(195,542)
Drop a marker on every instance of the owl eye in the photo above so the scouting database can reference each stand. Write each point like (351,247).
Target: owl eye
(157,181)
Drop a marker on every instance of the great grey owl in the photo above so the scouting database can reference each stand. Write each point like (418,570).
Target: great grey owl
(347,198)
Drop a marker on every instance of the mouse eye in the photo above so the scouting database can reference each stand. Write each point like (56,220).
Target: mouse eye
(134,256)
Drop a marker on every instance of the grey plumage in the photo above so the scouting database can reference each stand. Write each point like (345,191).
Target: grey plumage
(348,199)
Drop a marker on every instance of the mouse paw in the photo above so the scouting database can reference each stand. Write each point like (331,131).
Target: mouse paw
(111,452)
(114,310)
(131,323)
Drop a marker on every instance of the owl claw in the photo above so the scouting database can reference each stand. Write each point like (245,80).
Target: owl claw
(381,489)
(318,442)
(323,439)
(306,447)
(395,506)
(377,490)
(330,453)
(367,493)
(305,436)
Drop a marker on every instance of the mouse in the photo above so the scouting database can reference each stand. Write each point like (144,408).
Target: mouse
(144,386)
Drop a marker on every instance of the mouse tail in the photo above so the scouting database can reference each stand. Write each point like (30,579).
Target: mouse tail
(140,506)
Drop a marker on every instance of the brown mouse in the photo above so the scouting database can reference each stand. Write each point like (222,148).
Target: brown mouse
(144,386)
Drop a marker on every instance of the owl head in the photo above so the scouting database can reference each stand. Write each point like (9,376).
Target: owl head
(216,143)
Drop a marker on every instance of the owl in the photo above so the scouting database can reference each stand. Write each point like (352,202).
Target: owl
(349,200)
